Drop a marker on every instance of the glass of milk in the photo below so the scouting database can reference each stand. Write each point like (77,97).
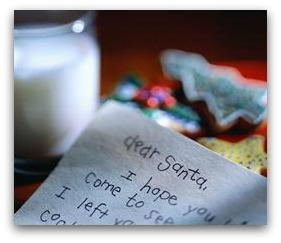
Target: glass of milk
(56,80)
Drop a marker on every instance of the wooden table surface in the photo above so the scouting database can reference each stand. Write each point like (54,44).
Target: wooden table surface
(132,41)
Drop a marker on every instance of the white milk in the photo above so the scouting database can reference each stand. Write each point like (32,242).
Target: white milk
(56,85)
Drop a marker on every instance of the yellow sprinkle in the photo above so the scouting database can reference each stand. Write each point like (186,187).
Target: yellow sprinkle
(248,152)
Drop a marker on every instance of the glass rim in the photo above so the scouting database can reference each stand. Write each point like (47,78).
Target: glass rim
(76,25)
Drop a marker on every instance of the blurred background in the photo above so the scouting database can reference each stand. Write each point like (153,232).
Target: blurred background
(132,40)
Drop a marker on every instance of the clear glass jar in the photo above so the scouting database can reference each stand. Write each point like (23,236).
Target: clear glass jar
(56,80)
